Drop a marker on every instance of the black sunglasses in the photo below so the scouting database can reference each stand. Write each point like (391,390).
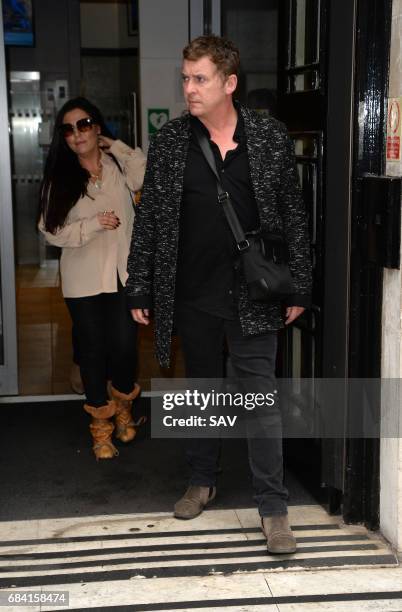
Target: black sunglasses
(82,125)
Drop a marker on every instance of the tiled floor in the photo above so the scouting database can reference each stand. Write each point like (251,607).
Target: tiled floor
(44,336)
(215,562)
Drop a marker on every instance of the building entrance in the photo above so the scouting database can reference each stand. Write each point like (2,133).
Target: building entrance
(307,62)
(304,61)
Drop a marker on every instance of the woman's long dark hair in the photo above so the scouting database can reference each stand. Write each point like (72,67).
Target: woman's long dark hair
(65,180)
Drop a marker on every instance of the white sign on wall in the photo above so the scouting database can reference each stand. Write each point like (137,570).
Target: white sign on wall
(394,129)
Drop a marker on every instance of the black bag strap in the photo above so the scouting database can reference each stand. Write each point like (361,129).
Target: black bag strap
(223,196)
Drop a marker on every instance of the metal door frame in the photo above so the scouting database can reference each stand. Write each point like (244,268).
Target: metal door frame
(338,215)
(339,165)
(373,44)
(8,370)
(204,17)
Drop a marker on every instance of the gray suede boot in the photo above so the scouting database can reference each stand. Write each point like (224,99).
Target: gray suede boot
(194,501)
(280,539)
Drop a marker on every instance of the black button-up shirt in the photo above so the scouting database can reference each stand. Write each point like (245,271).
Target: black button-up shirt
(207,249)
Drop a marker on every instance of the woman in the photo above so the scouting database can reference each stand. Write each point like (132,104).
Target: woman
(86,208)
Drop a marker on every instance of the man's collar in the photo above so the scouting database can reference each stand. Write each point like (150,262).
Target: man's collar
(196,123)
(239,132)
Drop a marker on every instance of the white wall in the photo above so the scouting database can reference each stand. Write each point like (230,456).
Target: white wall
(163,34)
(391,367)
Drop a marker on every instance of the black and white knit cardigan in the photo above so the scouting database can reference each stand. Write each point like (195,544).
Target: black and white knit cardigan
(153,255)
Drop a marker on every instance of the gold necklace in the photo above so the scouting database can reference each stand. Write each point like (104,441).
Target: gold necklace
(97,183)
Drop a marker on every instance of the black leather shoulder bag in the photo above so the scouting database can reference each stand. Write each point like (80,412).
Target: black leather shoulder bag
(263,258)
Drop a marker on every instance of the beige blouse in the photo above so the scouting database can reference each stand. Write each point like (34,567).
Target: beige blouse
(92,256)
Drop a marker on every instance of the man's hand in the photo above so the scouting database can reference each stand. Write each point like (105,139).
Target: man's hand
(292,312)
(140,315)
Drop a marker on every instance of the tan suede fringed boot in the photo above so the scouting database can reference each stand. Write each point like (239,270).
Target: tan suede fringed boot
(125,424)
(101,429)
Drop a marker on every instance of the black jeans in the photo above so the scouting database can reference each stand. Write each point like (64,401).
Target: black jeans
(76,345)
(107,340)
(252,357)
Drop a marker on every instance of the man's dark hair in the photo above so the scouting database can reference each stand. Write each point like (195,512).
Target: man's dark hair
(221,51)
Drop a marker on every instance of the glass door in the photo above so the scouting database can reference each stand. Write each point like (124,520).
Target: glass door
(8,331)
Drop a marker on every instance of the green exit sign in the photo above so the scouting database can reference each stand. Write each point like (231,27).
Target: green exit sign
(157,117)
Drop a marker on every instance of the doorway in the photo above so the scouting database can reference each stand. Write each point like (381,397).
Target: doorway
(55,69)
(307,63)
(283,46)
(45,353)
(303,63)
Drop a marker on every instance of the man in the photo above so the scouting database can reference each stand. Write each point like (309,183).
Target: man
(183,258)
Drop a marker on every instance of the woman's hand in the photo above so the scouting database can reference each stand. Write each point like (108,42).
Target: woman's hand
(108,220)
(104,142)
